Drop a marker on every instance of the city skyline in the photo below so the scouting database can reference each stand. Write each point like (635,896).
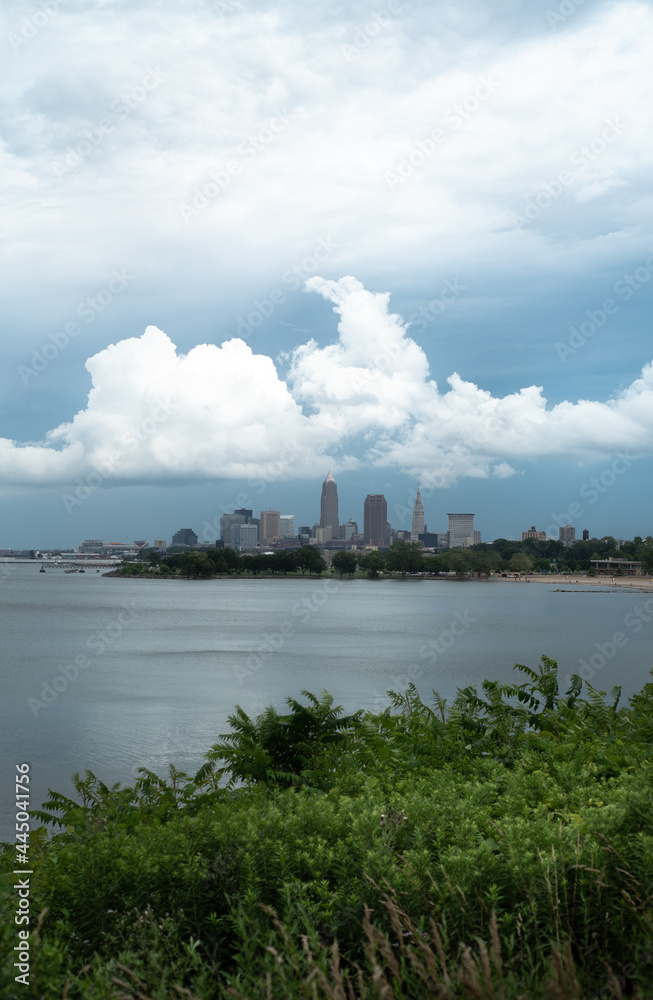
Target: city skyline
(239,528)
(411,253)
(400,515)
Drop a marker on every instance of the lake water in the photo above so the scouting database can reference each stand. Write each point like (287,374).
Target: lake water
(112,674)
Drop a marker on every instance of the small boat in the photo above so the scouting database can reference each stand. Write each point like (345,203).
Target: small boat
(42,569)
(82,571)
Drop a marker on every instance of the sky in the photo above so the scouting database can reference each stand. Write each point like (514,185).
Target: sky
(243,244)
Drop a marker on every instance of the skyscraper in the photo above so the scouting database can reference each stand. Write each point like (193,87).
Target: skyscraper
(329,505)
(245,536)
(228,522)
(185,536)
(567,535)
(287,525)
(270,526)
(375,519)
(461,530)
(418,518)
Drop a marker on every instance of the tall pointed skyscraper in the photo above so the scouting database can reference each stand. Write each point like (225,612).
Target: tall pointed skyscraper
(418,518)
(329,505)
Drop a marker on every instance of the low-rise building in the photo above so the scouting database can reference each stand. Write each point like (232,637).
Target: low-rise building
(610,567)
(92,546)
(532,532)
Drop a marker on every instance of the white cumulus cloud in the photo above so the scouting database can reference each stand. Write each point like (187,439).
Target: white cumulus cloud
(223,412)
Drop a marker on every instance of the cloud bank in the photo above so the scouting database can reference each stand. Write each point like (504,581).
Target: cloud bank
(200,84)
(223,412)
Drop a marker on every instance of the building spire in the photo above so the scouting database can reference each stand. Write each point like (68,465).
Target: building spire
(329,505)
(418,517)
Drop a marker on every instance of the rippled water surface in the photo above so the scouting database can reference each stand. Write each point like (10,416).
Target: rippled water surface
(165,662)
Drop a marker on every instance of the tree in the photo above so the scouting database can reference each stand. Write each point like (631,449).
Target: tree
(255,563)
(458,560)
(373,562)
(432,564)
(405,557)
(520,563)
(308,558)
(285,750)
(284,560)
(230,556)
(645,554)
(485,563)
(344,562)
(196,564)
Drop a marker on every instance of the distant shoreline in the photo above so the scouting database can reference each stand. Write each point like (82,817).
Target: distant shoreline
(642,584)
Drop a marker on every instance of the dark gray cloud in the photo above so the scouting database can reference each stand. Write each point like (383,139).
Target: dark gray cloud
(208,148)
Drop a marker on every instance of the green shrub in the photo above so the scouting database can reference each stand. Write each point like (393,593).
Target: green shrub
(500,848)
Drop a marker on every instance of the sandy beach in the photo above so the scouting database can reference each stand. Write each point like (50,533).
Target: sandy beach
(642,583)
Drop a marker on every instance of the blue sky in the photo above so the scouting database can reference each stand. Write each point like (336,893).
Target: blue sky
(244,243)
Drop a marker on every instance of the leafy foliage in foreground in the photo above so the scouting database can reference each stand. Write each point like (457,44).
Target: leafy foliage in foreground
(501,848)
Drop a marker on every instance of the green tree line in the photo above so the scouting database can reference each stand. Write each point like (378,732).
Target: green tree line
(500,556)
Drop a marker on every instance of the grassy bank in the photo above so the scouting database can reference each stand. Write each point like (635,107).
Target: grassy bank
(498,848)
